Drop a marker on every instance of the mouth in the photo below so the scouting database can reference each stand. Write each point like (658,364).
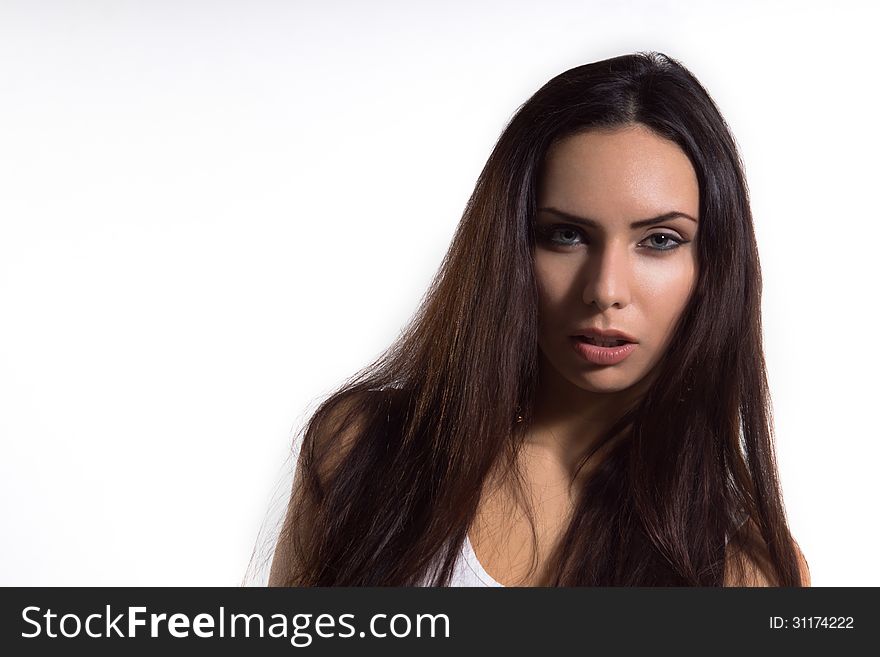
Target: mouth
(601,342)
(602,351)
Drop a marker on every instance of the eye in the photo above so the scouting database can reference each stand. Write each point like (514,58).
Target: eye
(561,235)
(663,241)
(569,236)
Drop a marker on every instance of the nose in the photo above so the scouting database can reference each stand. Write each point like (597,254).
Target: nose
(608,277)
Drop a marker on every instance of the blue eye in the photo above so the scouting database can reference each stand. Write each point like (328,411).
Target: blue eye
(567,232)
(668,243)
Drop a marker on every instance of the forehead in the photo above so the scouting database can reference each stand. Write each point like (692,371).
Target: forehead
(618,174)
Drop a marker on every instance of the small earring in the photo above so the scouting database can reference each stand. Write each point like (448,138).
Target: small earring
(687,390)
(519,417)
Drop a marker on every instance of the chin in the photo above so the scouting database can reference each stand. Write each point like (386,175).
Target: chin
(607,379)
(596,379)
(602,387)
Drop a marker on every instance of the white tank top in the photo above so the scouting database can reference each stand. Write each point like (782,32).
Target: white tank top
(468,569)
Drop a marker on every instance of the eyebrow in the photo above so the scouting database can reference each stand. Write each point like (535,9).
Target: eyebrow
(592,223)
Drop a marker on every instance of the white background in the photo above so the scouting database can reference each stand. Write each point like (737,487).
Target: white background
(212,213)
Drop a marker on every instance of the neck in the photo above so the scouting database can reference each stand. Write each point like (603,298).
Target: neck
(567,421)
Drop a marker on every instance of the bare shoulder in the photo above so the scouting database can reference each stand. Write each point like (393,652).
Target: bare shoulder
(335,433)
(752,568)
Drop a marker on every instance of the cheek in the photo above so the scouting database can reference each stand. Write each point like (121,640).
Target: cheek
(664,293)
(554,281)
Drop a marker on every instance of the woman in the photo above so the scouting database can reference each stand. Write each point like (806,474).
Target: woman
(581,399)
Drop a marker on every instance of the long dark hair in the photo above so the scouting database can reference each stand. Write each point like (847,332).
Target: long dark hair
(393,463)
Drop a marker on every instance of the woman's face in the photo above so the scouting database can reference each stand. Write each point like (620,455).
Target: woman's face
(595,269)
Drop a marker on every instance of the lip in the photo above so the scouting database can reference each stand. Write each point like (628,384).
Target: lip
(602,355)
(593,332)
